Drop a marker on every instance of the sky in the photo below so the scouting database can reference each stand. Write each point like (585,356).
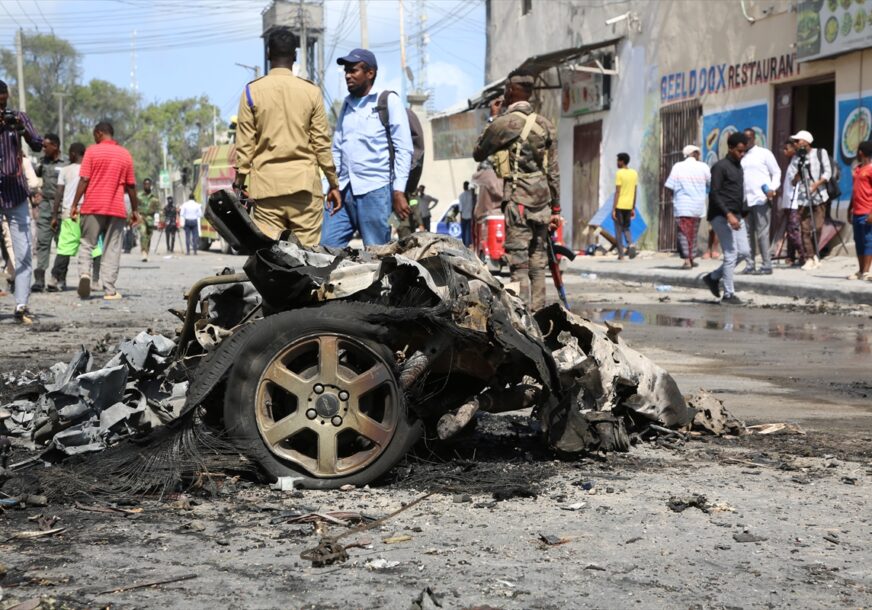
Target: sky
(187,48)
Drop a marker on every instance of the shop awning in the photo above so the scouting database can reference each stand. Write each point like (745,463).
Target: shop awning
(541,64)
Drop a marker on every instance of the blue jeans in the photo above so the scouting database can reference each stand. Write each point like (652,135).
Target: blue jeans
(192,230)
(18,218)
(367,214)
(734,245)
(466,231)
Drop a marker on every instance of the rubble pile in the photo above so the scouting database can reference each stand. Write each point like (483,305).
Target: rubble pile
(80,409)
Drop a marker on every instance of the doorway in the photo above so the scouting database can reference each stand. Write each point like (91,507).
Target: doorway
(808,105)
(586,142)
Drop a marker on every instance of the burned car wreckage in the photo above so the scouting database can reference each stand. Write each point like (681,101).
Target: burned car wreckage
(327,365)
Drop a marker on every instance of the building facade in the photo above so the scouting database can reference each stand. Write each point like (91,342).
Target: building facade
(647,78)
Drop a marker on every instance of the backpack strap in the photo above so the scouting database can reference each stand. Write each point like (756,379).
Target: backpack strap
(385,118)
(529,125)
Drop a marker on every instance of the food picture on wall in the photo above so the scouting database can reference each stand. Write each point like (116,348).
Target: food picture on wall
(808,32)
(832,27)
(831,30)
(719,126)
(855,129)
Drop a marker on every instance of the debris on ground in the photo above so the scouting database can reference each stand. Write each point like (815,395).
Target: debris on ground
(777,428)
(679,504)
(712,417)
(748,537)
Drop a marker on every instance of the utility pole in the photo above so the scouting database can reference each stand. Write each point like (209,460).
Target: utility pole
(402,54)
(364,31)
(214,126)
(19,48)
(61,95)
(304,43)
(134,85)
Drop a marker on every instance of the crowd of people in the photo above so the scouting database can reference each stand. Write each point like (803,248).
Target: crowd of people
(84,203)
(737,196)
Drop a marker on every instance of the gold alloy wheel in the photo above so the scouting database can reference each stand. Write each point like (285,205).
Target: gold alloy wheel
(328,404)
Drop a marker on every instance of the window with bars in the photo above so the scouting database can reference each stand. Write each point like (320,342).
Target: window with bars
(679,126)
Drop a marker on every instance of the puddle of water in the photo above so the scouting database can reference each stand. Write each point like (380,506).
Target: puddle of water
(771,324)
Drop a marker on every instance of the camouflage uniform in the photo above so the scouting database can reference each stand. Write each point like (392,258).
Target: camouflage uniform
(530,193)
(148,205)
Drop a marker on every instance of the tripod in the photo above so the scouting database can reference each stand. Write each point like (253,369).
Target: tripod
(804,178)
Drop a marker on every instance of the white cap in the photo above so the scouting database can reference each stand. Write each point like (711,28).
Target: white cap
(689,150)
(803,135)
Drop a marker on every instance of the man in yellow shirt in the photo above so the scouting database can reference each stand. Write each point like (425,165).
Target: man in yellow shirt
(282,138)
(624,210)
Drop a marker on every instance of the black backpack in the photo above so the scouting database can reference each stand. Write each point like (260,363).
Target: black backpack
(834,191)
(417,165)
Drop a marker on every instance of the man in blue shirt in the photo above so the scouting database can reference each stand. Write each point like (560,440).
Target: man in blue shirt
(370,187)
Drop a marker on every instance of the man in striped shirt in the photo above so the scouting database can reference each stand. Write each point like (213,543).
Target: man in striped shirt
(14,195)
(106,174)
(689,181)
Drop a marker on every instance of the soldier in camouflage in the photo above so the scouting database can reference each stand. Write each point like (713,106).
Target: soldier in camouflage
(149,205)
(524,146)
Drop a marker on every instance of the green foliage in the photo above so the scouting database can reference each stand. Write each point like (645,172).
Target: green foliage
(52,65)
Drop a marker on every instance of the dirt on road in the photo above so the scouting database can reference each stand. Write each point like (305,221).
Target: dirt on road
(784,521)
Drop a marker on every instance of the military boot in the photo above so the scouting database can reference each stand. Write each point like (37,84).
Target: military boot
(38,280)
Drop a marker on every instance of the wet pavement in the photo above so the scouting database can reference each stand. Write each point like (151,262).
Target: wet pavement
(767,363)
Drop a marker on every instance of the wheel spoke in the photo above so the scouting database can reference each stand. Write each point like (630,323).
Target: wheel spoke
(371,429)
(286,379)
(369,380)
(284,428)
(327,454)
(328,359)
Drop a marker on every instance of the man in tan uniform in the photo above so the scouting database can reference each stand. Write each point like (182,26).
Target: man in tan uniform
(282,138)
(524,144)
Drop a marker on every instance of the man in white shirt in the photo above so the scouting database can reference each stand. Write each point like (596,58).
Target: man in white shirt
(191,214)
(689,181)
(793,231)
(762,181)
(809,171)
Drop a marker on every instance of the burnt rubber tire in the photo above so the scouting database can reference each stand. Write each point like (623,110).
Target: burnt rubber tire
(267,341)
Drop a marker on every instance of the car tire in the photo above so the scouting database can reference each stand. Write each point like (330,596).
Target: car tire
(256,406)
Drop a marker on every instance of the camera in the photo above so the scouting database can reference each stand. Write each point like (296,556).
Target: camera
(8,118)
(802,152)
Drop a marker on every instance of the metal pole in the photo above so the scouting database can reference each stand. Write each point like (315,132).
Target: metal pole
(304,44)
(402,55)
(214,126)
(364,32)
(60,96)
(19,49)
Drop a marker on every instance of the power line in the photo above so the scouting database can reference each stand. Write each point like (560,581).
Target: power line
(41,14)
(23,12)
(6,10)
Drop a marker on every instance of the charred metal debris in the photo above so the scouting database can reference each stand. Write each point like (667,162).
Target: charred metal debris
(325,364)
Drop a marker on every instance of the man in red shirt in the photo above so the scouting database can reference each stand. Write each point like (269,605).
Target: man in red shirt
(860,211)
(106,174)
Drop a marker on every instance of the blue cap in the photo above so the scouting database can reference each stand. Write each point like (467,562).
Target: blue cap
(358,55)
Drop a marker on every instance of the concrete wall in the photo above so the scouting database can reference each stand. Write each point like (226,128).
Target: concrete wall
(665,47)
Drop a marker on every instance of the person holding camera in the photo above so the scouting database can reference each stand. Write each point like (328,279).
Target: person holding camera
(14,193)
(808,172)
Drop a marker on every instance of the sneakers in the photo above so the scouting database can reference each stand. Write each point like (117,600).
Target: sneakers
(84,287)
(812,263)
(712,284)
(764,272)
(23,316)
(749,270)
(857,275)
(115,296)
(731,299)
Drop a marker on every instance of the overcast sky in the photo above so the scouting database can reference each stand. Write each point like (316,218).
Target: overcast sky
(190,47)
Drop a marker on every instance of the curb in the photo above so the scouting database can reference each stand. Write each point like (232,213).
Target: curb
(775,285)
